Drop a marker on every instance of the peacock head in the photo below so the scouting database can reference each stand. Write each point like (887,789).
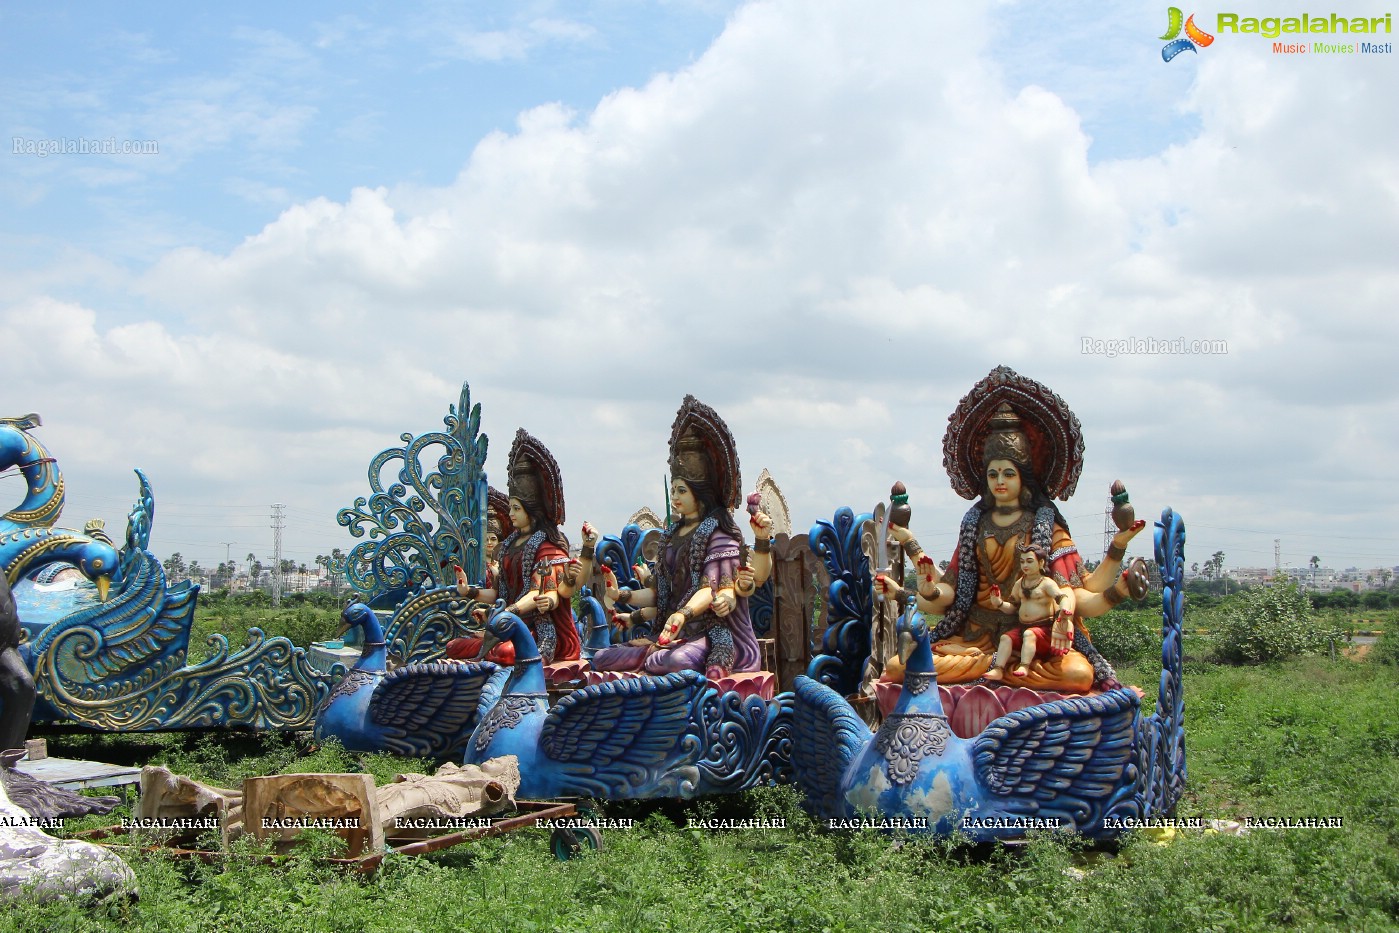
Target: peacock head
(500,627)
(912,630)
(99,562)
(357,615)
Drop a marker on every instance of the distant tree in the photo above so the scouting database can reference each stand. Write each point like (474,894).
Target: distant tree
(1344,599)
(1375,599)
(195,571)
(1315,562)
(175,568)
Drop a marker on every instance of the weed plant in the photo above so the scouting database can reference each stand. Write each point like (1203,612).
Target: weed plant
(1271,623)
(1308,737)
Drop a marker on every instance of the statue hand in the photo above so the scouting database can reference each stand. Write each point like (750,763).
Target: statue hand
(590,535)
(1061,638)
(1124,537)
(570,574)
(744,582)
(609,584)
(642,573)
(886,587)
(544,603)
(479,613)
(927,577)
(761,525)
(672,629)
(900,533)
(724,603)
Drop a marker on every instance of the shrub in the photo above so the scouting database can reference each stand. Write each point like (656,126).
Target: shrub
(1126,638)
(1386,648)
(1270,623)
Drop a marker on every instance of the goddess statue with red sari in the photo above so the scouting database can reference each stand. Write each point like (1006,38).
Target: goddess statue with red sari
(534,567)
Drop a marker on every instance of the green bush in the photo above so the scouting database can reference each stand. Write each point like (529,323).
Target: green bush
(1127,637)
(1386,647)
(1270,623)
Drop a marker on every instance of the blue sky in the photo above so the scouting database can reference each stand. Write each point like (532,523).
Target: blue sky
(827,223)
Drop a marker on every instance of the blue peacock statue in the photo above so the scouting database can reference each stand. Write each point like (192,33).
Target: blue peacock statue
(1069,763)
(419,710)
(668,736)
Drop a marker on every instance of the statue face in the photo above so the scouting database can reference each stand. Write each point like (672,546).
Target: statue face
(682,499)
(519,518)
(1003,479)
(1029,564)
(492,541)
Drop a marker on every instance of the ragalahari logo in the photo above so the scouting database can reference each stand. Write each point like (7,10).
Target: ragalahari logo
(1193,36)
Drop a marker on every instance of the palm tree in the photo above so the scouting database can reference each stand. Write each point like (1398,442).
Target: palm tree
(1315,562)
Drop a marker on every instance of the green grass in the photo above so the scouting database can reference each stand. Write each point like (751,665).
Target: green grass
(1309,737)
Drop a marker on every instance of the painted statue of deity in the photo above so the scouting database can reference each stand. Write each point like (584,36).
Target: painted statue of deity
(1014,445)
(533,565)
(700,584)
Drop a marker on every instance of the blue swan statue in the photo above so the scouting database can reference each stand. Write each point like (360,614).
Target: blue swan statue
(1068,764)
(420,710)
(625,739)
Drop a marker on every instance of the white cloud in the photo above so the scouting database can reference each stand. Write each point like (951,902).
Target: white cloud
(828,227)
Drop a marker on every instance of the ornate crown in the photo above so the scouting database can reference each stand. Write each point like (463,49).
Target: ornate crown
(1009,417)
(534,477)
(702,450)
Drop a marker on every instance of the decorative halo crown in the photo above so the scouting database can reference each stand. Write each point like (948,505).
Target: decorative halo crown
(1009,417)
(702,450)
(497,511)
(534,477)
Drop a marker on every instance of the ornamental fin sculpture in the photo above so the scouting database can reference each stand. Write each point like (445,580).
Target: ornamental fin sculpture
(118,660)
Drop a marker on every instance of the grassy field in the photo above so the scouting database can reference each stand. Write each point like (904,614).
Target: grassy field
(1307,738)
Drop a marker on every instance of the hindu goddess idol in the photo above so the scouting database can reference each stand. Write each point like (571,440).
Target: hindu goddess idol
(1015,446)
(534,566)
(700,586)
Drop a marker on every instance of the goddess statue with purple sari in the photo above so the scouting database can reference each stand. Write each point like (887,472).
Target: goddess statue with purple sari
(700,585)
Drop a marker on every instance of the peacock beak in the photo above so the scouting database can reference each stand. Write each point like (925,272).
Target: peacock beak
(488,641)
(103,584)
(905,646)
